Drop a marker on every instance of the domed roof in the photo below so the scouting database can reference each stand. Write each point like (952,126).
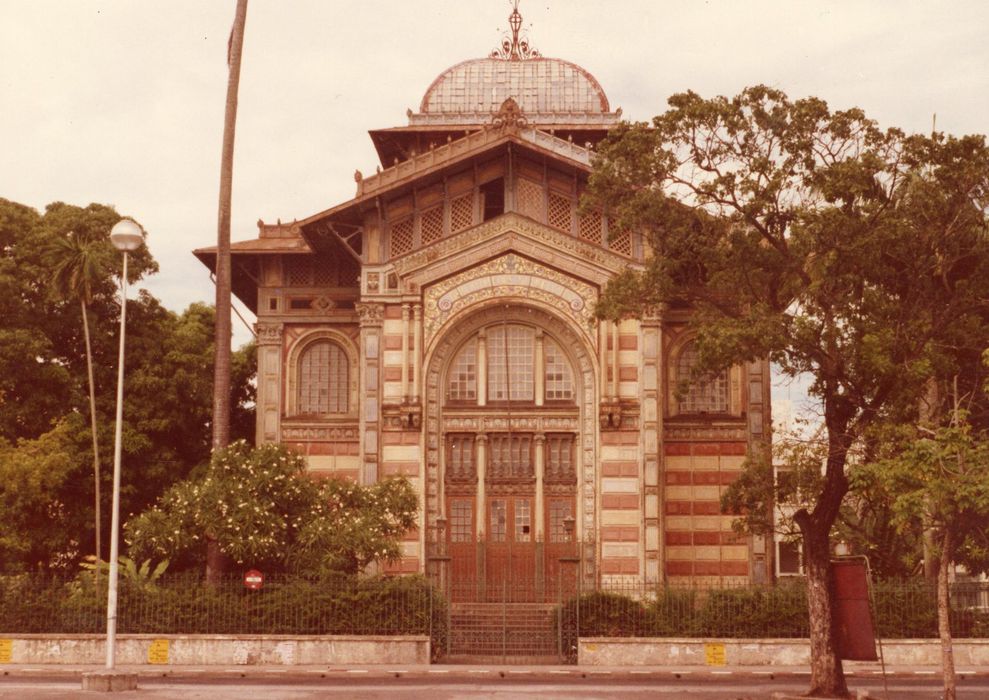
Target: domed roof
(540,86)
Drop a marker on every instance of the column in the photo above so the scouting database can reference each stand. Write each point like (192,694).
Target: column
(269,409)
(416,350)
(539,512)
(614,359)
(603,357)
(405,353)
(482,368)
(371,320)
(540,368)
(480,521)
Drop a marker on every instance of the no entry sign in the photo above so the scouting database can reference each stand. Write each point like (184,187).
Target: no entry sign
(253,579)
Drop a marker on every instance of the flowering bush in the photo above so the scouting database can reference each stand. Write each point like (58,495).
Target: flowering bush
(263,511)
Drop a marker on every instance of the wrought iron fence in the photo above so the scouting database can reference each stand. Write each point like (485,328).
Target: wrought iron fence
(903,609)
(186,605)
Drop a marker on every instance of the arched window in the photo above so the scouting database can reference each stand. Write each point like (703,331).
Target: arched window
(559,376)
(323,379)
(702,394)
(512,362)
(463,373)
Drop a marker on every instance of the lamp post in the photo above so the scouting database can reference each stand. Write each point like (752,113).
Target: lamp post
(126,236)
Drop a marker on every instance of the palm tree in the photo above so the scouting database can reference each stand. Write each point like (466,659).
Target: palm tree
(78,266)
(221,362)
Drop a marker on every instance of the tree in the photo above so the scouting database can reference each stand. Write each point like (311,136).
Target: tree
(221,363)
(940,479)
(41,525)
(44,369)
(853,255)
(261,509)
(78,265)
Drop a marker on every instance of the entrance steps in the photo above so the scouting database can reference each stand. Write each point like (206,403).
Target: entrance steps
(503,633)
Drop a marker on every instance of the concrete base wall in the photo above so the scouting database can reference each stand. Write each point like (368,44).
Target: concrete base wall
(638,651)
(219,649)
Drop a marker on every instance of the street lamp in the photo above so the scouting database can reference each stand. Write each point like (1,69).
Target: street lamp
(126,236)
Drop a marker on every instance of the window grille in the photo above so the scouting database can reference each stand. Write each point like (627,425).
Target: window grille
(462,382)
(531,202)
(703,394)
(323,379)
(298,271)
(559,457)
(461,465)
(349,271)
(461,521)
(510,456)
(590,227)
(621,242)
(559,213)
(559,511)
(401,237)
(498,527)
(559,377)
(431,225)
(511,363)
(325,272)
(461,213)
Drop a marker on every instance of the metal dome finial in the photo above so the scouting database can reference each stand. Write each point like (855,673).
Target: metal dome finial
(515,47)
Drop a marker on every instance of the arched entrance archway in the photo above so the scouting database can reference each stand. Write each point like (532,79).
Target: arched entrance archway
(510,451)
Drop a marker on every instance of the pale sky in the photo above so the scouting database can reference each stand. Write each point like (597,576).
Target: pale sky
(121,101)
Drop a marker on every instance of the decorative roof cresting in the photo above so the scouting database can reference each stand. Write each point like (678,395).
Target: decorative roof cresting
(515,46)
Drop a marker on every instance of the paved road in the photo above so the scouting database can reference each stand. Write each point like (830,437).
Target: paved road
(489,683)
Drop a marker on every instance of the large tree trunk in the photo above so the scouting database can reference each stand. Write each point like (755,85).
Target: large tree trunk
(96,441)
(827,678)
(221,364)
(944,616)
(826,673)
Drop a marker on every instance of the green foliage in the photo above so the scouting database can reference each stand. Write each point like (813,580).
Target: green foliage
(352,526)
(939,480)
(39,480)
(47,261)
(138,575)
(182,604)
(262,510)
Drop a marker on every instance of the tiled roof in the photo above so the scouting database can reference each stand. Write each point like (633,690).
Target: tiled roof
(546,89)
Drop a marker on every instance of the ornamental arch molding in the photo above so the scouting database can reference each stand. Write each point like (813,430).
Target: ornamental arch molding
(582,357)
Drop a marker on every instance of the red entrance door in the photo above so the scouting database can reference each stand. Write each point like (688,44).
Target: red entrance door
(510,548)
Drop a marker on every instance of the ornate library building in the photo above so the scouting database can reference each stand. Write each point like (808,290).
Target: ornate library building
(440,326)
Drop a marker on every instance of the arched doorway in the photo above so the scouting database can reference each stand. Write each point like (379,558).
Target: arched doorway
(510,433)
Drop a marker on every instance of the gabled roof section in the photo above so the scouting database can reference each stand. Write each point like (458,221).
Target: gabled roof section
(451,155)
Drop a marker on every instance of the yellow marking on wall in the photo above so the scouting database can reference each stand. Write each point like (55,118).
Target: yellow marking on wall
(158,652)
(6,650)
(714,654)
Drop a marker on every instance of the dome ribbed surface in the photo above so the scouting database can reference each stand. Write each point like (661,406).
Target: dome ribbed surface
(538,85)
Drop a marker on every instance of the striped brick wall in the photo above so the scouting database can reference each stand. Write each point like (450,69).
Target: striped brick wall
(621,505)
(699,539)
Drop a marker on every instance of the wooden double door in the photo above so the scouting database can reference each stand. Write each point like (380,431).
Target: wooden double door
(510,559)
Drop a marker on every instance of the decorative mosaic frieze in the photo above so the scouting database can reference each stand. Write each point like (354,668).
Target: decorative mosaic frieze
(510,275)
(310,432)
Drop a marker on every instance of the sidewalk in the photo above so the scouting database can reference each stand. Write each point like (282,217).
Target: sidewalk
(471,670)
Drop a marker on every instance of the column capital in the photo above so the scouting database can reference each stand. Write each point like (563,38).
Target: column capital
(269,333)
(481,438)
(370,314)
(539,438)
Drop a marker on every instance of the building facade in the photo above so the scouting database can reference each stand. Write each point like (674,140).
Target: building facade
(440,326)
